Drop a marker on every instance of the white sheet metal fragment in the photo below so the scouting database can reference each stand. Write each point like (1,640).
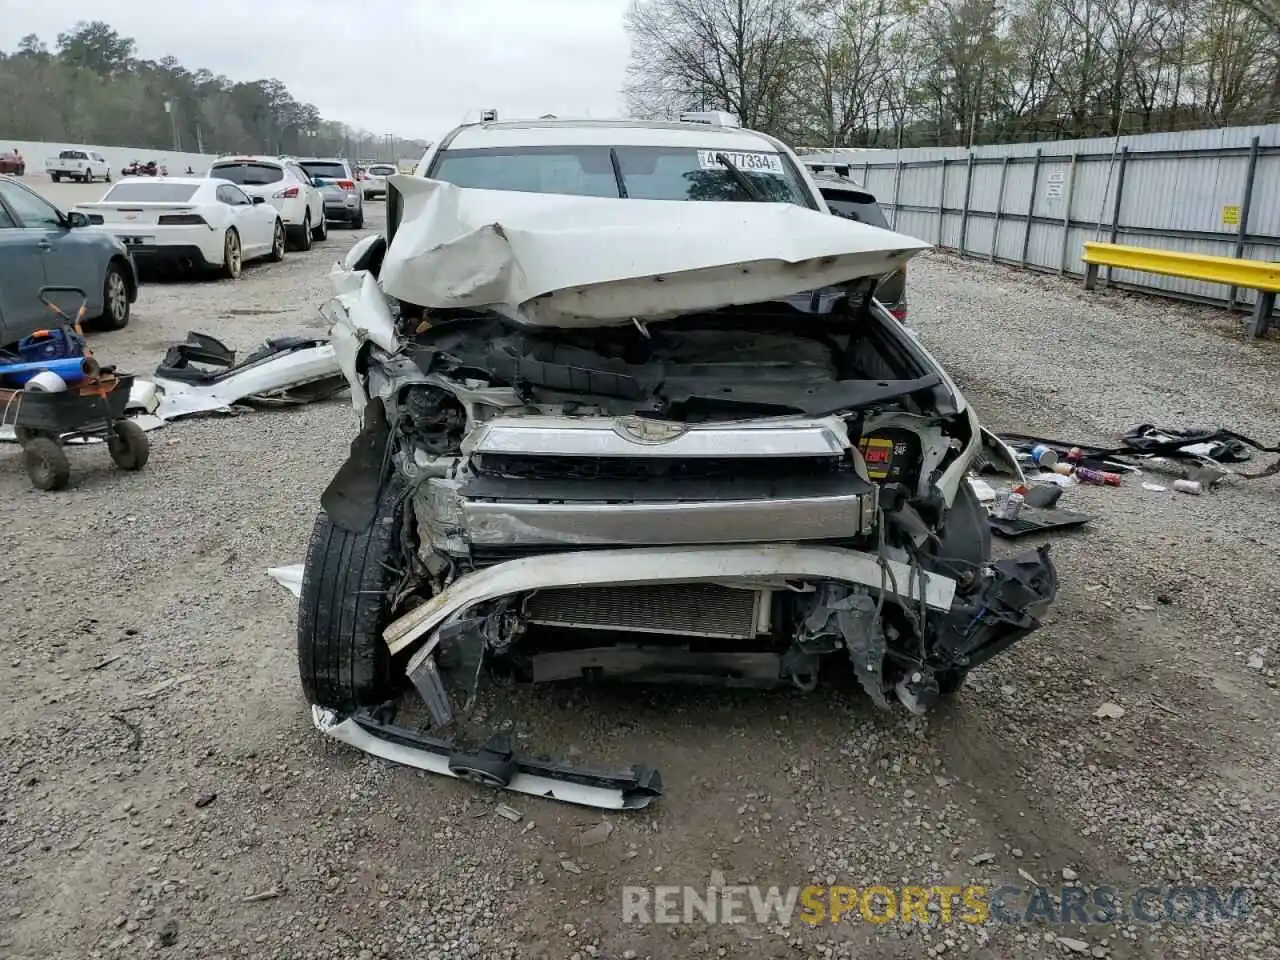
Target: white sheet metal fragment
(569,261)
(351,733)
(289,577)
(642,565)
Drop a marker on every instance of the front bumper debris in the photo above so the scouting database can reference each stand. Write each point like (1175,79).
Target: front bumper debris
(494,765)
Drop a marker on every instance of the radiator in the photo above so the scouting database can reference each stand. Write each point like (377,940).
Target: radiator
(683,609)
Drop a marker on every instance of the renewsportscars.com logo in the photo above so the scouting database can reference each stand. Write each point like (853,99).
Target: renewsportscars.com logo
(972,904)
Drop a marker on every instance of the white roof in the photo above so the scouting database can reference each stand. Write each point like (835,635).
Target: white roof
(568,261)
(612,133)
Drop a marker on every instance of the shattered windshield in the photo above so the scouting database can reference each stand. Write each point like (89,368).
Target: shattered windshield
(641,173)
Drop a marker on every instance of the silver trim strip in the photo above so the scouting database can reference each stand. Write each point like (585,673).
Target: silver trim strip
(608,437)
(644,524)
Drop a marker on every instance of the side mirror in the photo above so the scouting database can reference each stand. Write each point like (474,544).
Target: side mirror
(258,200)
(77,219)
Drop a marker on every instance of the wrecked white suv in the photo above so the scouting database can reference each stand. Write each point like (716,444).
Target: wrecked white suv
(608,434)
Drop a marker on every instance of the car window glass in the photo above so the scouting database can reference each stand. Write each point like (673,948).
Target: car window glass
(6,221)
(233,196)
(576,171)
(247,173)
(327,171)
(842,205)
(31,209)
(683,173)
(141,192)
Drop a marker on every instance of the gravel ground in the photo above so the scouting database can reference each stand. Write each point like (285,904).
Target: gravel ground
(166,793)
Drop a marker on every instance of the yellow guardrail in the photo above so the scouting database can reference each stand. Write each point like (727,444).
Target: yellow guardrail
(1259,275)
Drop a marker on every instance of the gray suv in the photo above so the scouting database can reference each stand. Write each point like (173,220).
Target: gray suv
(336,178)
(846,198)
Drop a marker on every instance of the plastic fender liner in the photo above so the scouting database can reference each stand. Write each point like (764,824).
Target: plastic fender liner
(633,789)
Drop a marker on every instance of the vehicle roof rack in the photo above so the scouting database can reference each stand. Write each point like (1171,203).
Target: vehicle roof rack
(715,118)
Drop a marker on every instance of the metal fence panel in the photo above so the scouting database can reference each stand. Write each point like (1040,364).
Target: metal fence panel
(1035,204)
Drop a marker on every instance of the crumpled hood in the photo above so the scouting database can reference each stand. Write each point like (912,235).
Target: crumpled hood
(567,261)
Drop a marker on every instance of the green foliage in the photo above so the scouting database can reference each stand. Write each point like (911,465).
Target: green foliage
(92,89)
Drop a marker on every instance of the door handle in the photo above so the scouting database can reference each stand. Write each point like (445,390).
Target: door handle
(45,245)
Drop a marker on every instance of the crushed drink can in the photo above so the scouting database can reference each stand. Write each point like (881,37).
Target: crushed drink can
(1043,457)
(1008,505)
(1075,455)
(1194,487)
(1064,469)
(1099,477)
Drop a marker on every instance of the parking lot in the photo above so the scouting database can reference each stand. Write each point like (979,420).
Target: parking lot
(165,789)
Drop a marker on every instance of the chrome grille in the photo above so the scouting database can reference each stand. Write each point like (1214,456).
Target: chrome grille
(684,609)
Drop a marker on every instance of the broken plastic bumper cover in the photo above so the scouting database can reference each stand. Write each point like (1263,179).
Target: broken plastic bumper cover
(493,765)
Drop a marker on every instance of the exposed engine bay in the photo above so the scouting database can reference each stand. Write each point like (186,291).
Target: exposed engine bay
(762,493)
(747,426)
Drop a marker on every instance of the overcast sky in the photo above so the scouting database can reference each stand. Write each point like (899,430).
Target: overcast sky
(414,68)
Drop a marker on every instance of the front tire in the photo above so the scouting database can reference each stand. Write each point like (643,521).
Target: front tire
(343,662)
(115,299)
(57,178)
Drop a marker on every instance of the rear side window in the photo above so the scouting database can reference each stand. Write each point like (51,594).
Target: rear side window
(248,173)
(132,192)
(855,205)
(326,171)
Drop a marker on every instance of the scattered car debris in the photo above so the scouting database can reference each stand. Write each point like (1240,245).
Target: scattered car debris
(289,577)
(205,799)
(508,813)
(273,893)
(494,765)
(596,835)
(201,375)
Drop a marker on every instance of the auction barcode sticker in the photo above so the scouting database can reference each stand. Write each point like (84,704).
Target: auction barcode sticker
(746,162)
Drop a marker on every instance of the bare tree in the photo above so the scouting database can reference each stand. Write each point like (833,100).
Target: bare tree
(735,55)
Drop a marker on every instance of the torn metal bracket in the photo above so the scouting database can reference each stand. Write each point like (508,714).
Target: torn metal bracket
(494,765)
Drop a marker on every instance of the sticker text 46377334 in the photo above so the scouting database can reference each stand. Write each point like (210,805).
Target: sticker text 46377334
(746,162)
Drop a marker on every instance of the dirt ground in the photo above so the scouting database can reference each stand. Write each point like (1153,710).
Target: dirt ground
(164,791)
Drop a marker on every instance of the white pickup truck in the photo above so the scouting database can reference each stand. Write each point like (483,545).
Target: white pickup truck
(83,165)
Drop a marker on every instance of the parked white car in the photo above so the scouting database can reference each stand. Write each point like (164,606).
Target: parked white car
(374,183)
(286,186)
(192,222)
(83,165)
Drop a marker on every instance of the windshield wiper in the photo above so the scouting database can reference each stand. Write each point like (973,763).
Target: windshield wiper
(741,179)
